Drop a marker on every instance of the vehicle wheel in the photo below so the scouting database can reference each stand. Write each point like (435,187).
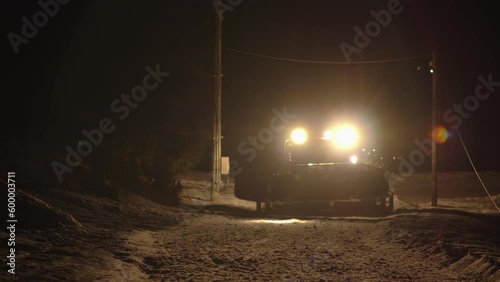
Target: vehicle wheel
(386,204)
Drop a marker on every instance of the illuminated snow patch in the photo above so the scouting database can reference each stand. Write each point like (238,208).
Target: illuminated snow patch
(277,221)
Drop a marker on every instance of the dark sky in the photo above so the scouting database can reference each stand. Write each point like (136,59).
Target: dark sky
(90,52)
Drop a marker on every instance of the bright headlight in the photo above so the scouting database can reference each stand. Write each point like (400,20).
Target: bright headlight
(345,137)
(299,136)
(354,159)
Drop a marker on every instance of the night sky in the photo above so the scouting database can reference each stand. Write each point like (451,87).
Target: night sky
(65,78)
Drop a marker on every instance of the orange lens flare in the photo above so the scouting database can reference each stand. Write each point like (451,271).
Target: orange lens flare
(440,134)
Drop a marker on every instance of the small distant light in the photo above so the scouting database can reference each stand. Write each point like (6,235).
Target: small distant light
(374,150)
(354,159)
(393,158)
(363,149)
(431,70)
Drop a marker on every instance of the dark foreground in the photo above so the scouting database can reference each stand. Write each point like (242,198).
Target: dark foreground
(138,240)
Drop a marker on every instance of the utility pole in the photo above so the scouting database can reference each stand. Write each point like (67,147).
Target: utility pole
(434,72)
(217,134)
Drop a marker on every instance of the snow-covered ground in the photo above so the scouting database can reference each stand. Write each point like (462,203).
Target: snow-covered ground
(459,190)
(223,239)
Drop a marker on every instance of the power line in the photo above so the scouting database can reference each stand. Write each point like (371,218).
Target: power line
(325,62)
(475,170)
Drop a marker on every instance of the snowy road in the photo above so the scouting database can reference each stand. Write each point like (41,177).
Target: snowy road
(218,248)
(225,240)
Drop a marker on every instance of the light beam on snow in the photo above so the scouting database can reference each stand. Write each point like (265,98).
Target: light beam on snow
(278,221)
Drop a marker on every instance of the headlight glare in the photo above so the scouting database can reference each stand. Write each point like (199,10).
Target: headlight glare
(299,136)
(345,137)
(327,135)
